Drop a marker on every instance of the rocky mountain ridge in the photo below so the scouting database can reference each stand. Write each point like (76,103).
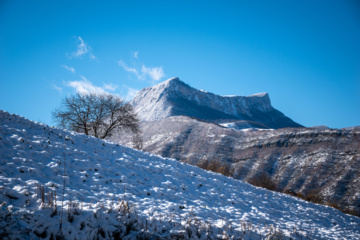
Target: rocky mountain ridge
(174,97)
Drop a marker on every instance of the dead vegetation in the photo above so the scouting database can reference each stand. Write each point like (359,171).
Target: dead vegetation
(217,166)
(263,180)
(121,220)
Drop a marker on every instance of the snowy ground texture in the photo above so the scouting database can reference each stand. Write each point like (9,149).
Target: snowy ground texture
(115,192)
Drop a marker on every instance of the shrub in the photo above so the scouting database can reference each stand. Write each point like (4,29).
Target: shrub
(217,166)
(263,180)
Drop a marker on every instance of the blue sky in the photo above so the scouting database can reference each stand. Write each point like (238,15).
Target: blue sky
(305,54)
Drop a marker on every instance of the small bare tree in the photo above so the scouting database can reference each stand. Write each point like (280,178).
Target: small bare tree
(96,115)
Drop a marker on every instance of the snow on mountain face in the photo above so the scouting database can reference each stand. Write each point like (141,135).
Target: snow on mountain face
(232,105)
(167,199)
(174,97)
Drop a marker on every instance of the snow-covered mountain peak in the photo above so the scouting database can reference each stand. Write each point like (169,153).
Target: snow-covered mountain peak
(173,97)
(263,94)
(174,84)
(174,80)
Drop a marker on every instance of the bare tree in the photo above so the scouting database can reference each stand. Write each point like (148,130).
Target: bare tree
(138,141)
(96,115)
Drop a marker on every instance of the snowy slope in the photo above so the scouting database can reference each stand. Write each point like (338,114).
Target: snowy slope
(174,97)
(321,164)
(167,199)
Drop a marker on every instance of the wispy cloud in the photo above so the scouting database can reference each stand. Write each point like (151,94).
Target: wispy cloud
(84,86)
(131,93)
(82,50)
(155,73)
(129,69)
(57,88)
(70,69)
(110,87)
(136,54)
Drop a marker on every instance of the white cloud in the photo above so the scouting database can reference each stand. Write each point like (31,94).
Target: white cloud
(155,73)
(70,69)
(110,87)
(129,69)
(57,88)
(131,93)
(84,86)
(136,54)
(92,56)
(82,50)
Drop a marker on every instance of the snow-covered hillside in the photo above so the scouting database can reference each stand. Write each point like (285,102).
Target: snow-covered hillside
(112,191)
(174,97)
(320,164)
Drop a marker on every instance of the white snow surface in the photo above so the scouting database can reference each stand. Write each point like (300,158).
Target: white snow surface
(165,195)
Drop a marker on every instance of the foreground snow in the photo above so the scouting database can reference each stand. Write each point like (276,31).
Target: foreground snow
(112,191)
